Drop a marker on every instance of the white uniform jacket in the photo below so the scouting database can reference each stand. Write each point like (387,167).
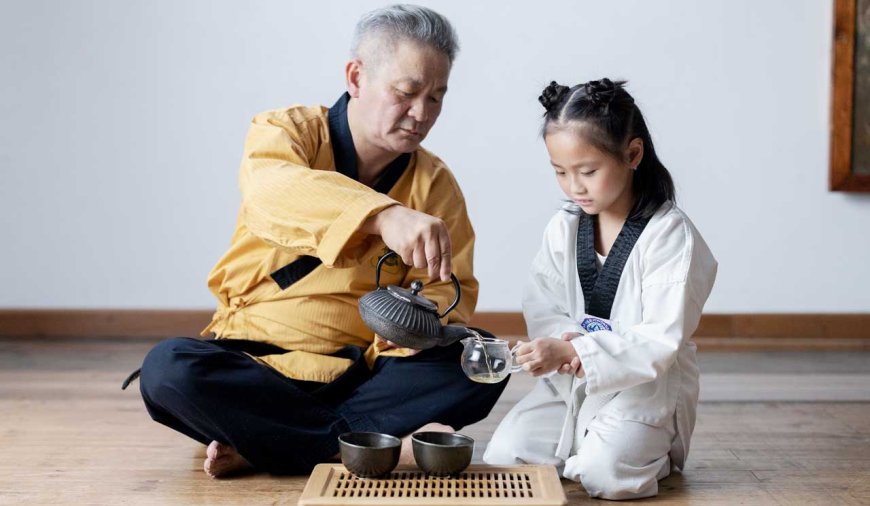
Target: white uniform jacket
(645,369)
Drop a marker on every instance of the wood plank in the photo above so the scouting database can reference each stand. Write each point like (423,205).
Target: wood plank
(736,343)
(785,387)
(824,331)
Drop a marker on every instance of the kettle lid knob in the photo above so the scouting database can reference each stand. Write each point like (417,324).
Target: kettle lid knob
(416,286)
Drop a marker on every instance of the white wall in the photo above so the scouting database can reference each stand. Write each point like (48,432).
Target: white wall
(121,128)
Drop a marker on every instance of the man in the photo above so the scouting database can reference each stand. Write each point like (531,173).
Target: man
(325,192)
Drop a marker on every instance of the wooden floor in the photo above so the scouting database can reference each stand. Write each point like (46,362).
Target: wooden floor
(773,428)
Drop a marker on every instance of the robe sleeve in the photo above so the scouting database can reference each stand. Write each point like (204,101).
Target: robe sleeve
(292,206)
(546,295)
(677,278)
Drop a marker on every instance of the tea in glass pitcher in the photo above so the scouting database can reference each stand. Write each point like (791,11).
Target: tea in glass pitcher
(487,359)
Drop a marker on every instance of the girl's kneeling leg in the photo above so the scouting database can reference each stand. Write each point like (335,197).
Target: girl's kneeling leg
(621,459)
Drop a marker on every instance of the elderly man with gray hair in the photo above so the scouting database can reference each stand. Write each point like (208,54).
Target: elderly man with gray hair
(325,192)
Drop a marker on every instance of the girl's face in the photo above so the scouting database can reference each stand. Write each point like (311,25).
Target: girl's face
(595,180)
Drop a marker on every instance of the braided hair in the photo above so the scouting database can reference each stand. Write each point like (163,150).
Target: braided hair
(610,120)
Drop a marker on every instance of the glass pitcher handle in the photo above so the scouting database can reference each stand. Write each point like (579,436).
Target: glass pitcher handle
(514,366)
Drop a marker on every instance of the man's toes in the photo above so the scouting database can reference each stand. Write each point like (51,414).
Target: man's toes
(406,455)
(218,450)
(208,466)
(223,466)
(214,450)
(223,460)
(436,427)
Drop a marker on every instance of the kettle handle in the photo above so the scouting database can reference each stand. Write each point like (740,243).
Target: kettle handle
(458,291)
(381,261)
(455,281)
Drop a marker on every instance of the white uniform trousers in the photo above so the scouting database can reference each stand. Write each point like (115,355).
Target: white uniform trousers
(613,459)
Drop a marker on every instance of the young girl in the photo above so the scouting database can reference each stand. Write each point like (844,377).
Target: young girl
(613,297)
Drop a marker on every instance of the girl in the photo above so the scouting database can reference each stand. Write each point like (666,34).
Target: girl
(614,295)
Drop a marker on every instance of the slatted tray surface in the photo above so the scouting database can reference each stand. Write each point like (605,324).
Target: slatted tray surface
(333,485)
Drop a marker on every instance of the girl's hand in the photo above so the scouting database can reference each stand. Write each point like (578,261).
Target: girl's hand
(569,336)
(571,368)
(544,355)
(574,367)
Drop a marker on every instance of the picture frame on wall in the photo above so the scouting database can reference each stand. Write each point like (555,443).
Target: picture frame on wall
(850,101)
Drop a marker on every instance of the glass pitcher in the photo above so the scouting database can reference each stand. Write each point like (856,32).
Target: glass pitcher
(487,359)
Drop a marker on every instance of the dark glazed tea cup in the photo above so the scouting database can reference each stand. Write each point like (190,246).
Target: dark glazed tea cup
(369,454)
(442,453)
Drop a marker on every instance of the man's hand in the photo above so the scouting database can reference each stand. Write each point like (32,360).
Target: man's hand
(421,240)
(544,355)
(385,344)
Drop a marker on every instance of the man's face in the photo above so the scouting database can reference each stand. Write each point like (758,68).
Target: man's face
(400,96)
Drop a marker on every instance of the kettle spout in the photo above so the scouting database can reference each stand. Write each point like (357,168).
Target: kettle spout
(452,333)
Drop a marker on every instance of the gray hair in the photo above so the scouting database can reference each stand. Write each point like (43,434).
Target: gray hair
(409,22)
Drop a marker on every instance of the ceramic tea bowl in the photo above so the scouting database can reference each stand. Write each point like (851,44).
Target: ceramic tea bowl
(442,453)
(369,454)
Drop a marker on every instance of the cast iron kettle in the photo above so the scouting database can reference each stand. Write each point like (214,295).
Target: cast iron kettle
(406,318)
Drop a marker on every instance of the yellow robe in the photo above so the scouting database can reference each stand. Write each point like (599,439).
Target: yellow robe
(295,203)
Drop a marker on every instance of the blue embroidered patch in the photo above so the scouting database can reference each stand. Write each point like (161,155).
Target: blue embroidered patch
(592,324)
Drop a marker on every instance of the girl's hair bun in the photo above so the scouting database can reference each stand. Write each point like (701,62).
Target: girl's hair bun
(553,95)
(602,92)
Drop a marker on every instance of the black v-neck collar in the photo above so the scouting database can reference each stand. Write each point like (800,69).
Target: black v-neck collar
(599,288)
(344,154)
(344,151)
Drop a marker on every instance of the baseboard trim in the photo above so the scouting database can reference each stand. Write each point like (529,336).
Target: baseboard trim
(820,331)
(102,323)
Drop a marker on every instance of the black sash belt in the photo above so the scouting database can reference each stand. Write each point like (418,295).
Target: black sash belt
(599,289)
(295,270)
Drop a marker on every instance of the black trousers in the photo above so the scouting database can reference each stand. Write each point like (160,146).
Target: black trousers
(212,391)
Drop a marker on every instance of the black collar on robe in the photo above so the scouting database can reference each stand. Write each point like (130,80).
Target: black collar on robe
(344,154)
(599,288)
(344,151)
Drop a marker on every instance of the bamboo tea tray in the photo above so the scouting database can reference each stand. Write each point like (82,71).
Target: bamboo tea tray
(529,485)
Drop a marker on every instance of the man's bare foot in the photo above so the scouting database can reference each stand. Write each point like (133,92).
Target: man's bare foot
(407,455)
(222,461)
